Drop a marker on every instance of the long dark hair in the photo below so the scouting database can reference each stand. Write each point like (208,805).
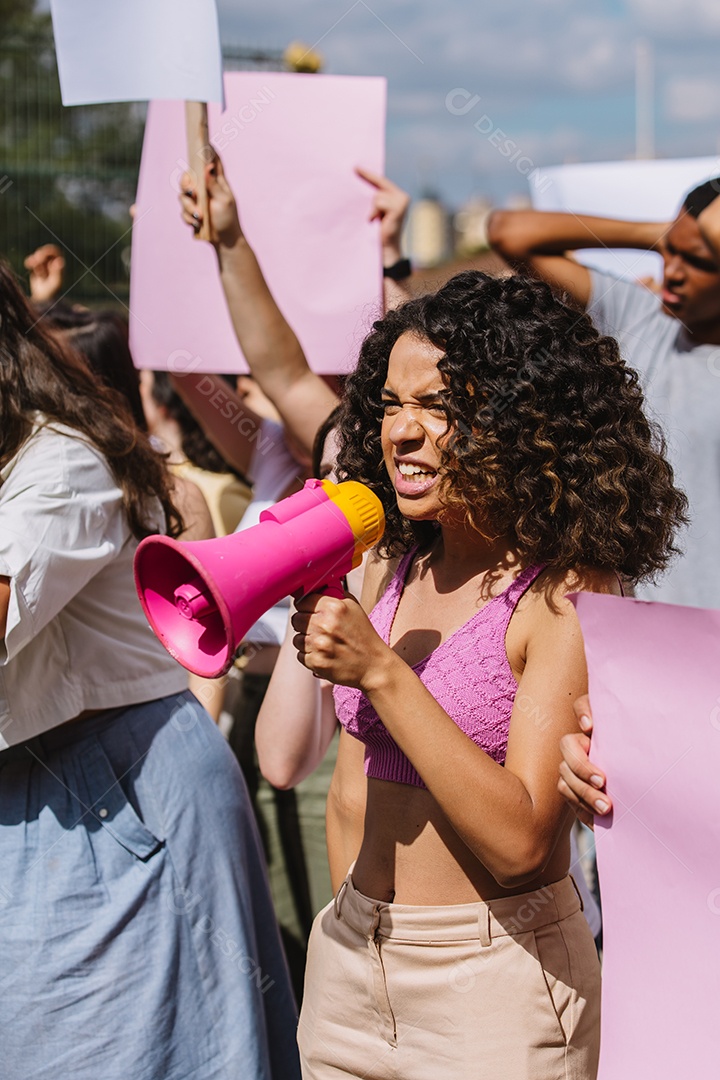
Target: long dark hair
(38,374)
(195,444)
(548,443)
(103,341)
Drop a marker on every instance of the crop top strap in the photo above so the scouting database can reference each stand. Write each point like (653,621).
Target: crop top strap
(398,580)
(383,613)
(509,598)
(522,582)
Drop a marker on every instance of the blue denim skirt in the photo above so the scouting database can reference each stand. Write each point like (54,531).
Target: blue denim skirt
(137,935)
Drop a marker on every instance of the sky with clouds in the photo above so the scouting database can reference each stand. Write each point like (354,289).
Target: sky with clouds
(557,77)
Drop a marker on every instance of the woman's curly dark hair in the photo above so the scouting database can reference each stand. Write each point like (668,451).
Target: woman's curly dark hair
(548,443)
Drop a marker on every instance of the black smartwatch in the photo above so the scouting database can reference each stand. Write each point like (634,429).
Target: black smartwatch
(398,271)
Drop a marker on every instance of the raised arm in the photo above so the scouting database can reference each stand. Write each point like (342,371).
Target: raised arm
(230,425)
(390,206)
(271,348)
(709,224)
(538,242)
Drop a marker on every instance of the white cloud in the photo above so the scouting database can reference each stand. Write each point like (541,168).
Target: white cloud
(567,65)
(522,44)
(689,18)
(693,99)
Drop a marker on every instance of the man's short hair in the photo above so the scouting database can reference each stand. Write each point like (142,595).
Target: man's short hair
(700,197)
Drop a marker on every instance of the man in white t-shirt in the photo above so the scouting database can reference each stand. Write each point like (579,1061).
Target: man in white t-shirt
(672,341)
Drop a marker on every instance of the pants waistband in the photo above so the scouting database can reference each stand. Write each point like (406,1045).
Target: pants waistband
(484,920)
(65,734)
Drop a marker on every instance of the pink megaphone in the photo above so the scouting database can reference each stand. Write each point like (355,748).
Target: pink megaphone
(202,597)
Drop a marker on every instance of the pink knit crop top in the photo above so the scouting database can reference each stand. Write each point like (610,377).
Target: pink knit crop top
(468,675)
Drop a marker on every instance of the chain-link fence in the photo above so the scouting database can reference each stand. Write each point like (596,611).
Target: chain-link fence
(68,175)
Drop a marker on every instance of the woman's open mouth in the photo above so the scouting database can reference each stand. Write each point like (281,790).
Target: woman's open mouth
(411,479)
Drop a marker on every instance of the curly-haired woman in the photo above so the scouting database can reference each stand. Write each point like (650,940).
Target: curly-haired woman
(136,930)
(508,444)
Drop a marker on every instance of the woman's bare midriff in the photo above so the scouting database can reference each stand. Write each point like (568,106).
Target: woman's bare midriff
(410,854)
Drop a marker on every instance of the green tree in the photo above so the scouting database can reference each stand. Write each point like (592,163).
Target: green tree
(67,175)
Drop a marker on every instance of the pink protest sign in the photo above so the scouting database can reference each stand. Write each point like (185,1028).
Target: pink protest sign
(655,694)
(289,145)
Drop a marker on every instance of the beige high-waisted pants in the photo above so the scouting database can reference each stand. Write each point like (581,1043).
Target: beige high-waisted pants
(505,990)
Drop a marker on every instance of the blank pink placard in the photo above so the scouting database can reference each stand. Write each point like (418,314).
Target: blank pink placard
(655,695)
(289,144)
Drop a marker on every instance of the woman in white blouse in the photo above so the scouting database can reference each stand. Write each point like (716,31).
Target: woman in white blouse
(136,930)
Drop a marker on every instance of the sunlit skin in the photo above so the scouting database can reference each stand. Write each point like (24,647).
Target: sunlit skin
(485,829)
(415,428)
(691,281)
(250,393)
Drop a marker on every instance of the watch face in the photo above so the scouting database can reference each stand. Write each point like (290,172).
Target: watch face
(399,270)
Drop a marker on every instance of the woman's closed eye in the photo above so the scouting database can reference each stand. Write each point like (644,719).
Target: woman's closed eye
(391,407)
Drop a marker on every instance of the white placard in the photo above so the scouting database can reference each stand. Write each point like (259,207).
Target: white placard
(137,50)
(628,190)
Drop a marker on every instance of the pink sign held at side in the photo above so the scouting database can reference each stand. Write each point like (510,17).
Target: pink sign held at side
(289,145)
(655,695)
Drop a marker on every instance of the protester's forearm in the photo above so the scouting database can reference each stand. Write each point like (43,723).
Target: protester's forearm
(295,724)
(229,425)
(395,293)
(518,234)
(271,348)
(210,693)
(709,223)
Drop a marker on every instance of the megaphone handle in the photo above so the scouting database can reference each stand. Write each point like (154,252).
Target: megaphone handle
(334,588)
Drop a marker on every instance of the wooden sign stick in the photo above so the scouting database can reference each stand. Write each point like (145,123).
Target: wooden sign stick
(200,154)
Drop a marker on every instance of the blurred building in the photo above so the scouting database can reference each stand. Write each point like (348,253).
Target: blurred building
(428,234)
(518,202)
(470,224)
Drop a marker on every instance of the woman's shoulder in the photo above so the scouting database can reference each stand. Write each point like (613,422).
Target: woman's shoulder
(546,619)
(560,583)
(51,435)
(60,458)
(548,595)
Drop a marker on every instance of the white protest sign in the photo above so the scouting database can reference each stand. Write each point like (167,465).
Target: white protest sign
(137,50)
(627,190)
